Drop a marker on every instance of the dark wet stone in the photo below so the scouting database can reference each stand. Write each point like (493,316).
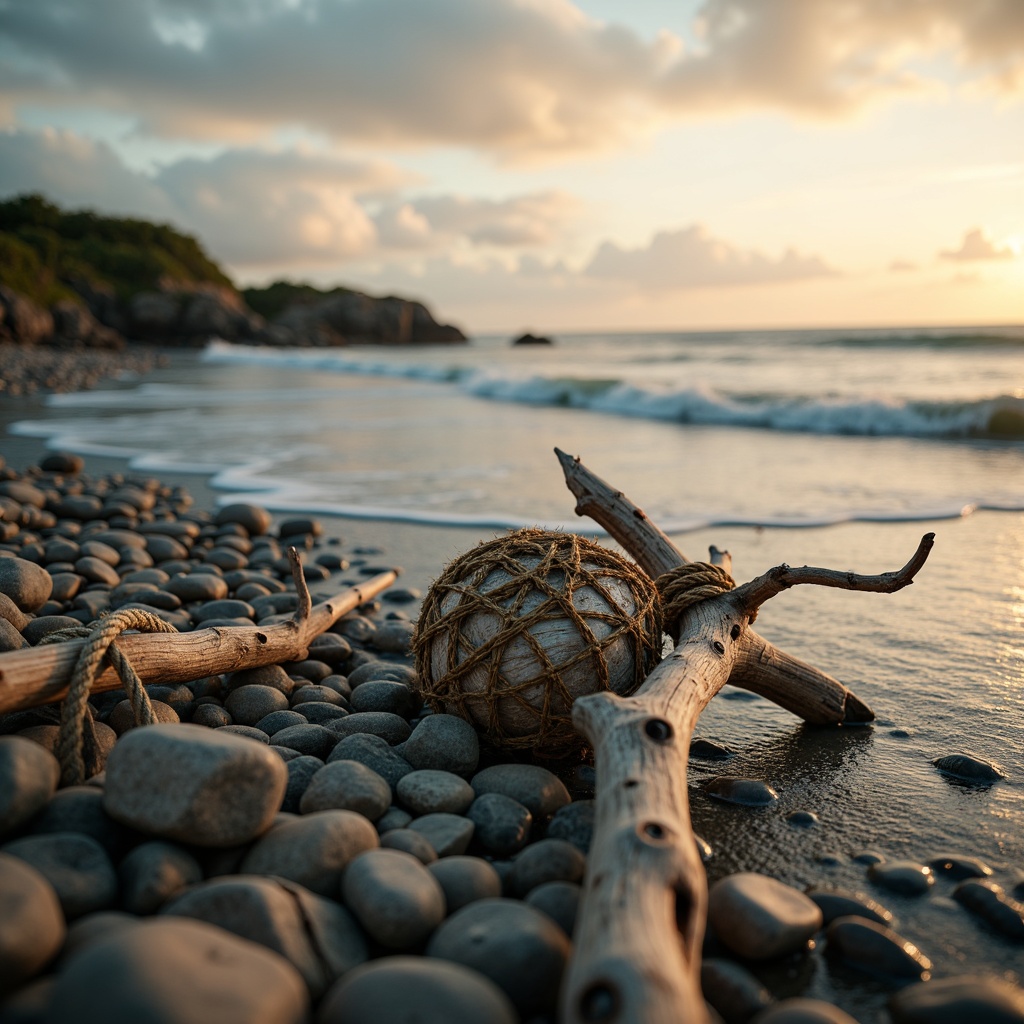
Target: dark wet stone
(381,670)
(388,727)
(44,625)
(429,791)
(536,788)
(709,750)
(159,971)
(515,945)
(394,897)
(969,768)
(575,823)
(559,900)
(732,990)
(394,637)
(803,819)
(301,770)
(868,857)
(392,818)
(549,860)
(194,785)
(803,1011)
(958,868)
(266,675)
(29,775)
(838,903)
(318,712)
(448,834)
(375,753)
(409,841)
(31,923)
(315,671)
(902,876)
(95,570)
(313,740)
(465,880)
(28,585)
(443,742)
(331,649)
(732,789)
(192,587)
(252,518)
(213,716)
(249,732)
(761,918)
(400,988)
(347,785)
(502,824)
(80,809)
(278,720)
(248,704)
(385,695)
(989,902)
(153,873)
(75,865)
(311,693)
(960,1000)
(875,949)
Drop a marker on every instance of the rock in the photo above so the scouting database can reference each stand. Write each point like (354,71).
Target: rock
(210,716)
(465,880)
(11,639)
(408,841)
(122,718)
(394,637)
(803,819)
(731,789)
(429,791)
(312,850)
(902,876)
(28,585)
(389,671)
(318,937)
(761,918)
(838,903)
(347,785)
(301,770)
(448,834)
(247,705)
(443,742)
(252,518)
(384,695)
(969,768)
(278,720)
(80,809)
(549,860)
(29,775)
(75,865)
(176,971)
(540,791)
(31,923)
(803,1011)
(395,898)
(502,824)
(314,694)
(732,990)
(575,823)
(265,675)
(194,785)
(875,949)
(559,900)
(520,949)
(406,988)
(989,902)
(154,873)
(958,868)
(375,753)
(392,818)
(708,750)
(956,1000)
(388,727)
(318,712)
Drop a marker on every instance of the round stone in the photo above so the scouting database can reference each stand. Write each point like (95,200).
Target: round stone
(732,789)
(31,923)
(838,903)
(375,753)
(80,809)
(395,898)
(408,841)
(902,876)
(759,917)
(443,742)
(384,695)
(540,791)
(875,949)
(247,705)
(520,949)
(29,774)
(388,727)
(448,834)
(153,873)
(989,902)
(392,818)
(252,518)
(406,988)
(574,823)
(177,971)
(301,770)
(122,718)
(968,768)
(312,740)
(28,585)
(549,860)
(958,868)
(502,824)
(347,785)
(465,880)
(428,791)
(194,785)
(732,990)
(197,587)
(956,1000)
(803,1011)
(559,900)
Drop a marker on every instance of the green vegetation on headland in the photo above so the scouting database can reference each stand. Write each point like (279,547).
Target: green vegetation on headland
(80,277)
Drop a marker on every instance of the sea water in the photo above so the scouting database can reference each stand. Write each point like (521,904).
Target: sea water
(836,448)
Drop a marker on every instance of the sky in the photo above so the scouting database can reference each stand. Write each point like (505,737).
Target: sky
(543,164)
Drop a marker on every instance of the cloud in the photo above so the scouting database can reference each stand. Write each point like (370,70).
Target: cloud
(516,78)
(693,258)
(977,246)
(902,267)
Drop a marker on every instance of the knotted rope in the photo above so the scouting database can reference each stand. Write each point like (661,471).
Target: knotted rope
(689,584)
(100,636)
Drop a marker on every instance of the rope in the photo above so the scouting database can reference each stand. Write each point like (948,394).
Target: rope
(687,585)
(75,737)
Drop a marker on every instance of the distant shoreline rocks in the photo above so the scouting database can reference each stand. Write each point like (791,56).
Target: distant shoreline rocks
(532,339)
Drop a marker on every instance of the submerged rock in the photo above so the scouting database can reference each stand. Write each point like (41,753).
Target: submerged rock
(969,768)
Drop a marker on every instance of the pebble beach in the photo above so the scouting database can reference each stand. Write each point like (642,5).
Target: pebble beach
(342,853)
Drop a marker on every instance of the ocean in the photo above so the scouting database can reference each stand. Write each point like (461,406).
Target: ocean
(837,448)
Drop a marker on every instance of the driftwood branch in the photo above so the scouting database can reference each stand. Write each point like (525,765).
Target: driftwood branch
(637,942)
(40,675)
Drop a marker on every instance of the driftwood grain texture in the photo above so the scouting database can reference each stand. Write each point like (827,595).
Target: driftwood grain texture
(637,942)
(40,675)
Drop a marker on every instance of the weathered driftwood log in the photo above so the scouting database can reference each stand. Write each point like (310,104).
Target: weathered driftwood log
(40,675)
(637,943)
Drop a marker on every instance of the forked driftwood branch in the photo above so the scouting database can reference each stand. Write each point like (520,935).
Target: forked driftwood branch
(637,943)
(40,675)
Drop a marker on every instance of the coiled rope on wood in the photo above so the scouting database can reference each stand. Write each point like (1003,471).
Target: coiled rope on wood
(687,585)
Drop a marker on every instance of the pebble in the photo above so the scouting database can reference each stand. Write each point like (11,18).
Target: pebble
(392,818)
(465,880)
(29,775)
(448,834)
(390,728)
(265,675)
(732,990)
(252,518)
(575,823)
(390,671)
(28,585)
(868,857)
(902,876)
(197,587)
(212,716)
(319,712)
(385,695)
(540,791)
(311,693)
(375,753)
(312,850)
(312,740)
(319,937)
(443,742)
(502,824)
(732,789)
(194,973)
(871,947)
(194,785)
(958,868)
(709,750)
(835,903)
(394,637)
(429,791)
(395,898)
(32,925)
(968,768)
(301,770)
(803,1011)
(409,841)
(515,945)
(75,865)
(548,860)
(80,809)
(989,902)
(559,900)
(965,998)
(278,720)
(803,819)
(349,786)
(153,873)
(122,717)
(407,988)
(249,732)
(248,704)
